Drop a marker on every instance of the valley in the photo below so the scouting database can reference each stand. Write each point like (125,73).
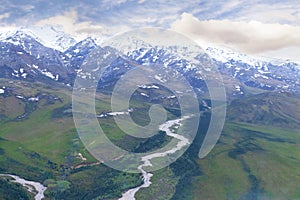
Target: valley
(251,159)
(256,157)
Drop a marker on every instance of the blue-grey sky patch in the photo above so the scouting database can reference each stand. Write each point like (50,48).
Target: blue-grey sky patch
(129,11)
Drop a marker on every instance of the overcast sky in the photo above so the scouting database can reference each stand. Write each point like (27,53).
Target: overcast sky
(269,28)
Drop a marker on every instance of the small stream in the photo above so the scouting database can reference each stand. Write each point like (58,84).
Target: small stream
(38,189)
(33,187)
(129,195)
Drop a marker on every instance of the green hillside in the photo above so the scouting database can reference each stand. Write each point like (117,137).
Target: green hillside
(257,156)
(271,109)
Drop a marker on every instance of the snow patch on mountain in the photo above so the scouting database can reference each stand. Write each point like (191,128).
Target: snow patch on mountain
(52,37)
(227,55)
(47,35)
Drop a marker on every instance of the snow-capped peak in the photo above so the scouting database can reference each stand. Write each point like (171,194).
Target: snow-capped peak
(52,37)
(227,55)
(48,36)
(18,37)
(89,41)
(6,34)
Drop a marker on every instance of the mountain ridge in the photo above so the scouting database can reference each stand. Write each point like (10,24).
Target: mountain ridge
(20,51)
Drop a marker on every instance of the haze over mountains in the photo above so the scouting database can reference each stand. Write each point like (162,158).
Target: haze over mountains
(47,54)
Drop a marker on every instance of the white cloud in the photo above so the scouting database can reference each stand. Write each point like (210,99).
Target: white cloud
(272,13)
(227,6)
(251,37)
(70,24)
(4,27)
(291,53)
(110,3)
(4,16)
(250,26)
(141,1)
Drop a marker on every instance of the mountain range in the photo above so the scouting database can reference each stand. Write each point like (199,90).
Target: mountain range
(26,56)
